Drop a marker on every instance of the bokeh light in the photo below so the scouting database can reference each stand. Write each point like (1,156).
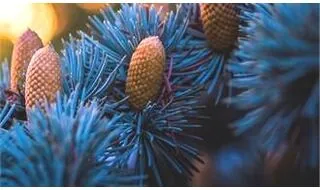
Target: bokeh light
(51,21)
(92,7)
(15,18)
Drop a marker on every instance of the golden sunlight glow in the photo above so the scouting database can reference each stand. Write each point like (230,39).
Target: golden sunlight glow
(15,18)
(92,7)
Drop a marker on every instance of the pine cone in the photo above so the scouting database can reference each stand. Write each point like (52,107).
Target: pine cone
(220,25)
(27,44)
(145,73)
(43,79)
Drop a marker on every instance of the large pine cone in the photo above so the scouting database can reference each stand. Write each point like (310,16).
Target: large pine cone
(27,44)
(220,25)
(145,73)
(43,79)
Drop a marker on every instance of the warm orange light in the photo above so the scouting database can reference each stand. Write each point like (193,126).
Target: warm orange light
(15,18)
(92,7)
(5,48)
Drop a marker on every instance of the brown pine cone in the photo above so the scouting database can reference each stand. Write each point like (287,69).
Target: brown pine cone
(220,25)
(145,73)
(27,44)
(43,79)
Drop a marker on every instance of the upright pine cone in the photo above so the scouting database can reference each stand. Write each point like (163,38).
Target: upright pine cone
(27,44)
(220,25)
(43,79)
(145,73)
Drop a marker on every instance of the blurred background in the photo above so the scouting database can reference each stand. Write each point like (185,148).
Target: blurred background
(52,21)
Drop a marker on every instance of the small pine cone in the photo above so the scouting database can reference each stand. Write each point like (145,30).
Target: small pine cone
(145,73)
(220,25)
(43,79)
(27,44)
